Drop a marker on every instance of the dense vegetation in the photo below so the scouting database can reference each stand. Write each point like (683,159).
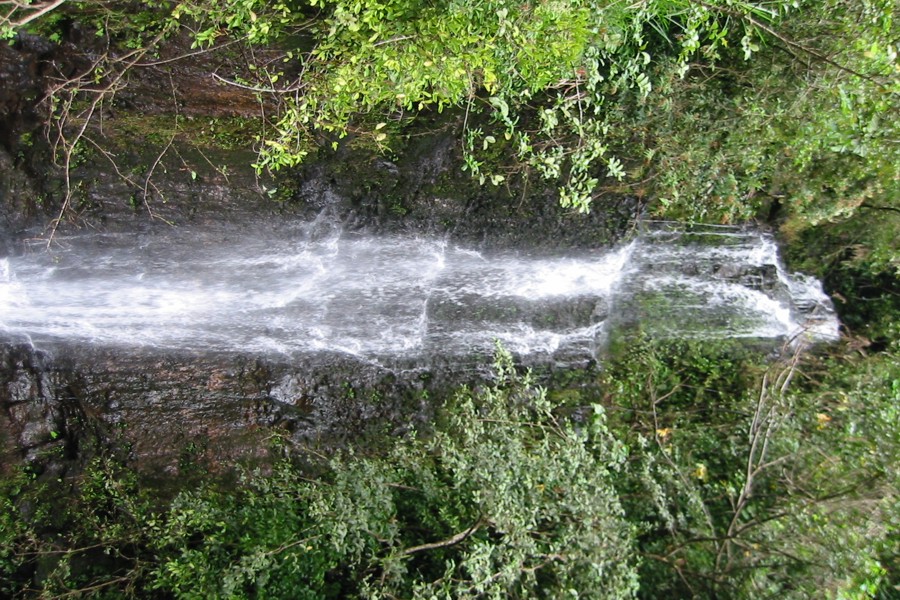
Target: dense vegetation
(719,110)
(687,470)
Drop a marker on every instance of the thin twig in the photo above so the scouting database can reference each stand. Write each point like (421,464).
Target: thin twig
(288,90)
(150,174)
(165,61)
(393,40)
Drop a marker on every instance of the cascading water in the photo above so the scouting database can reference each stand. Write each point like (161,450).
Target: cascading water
(719,281)
(306,287)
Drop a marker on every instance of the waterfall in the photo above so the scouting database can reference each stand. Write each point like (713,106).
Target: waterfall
(288,288)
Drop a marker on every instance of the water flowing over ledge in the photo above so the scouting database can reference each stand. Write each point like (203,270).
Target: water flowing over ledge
(289,288)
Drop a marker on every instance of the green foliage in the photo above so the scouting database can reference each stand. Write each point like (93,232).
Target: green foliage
(857,260)
(543,487)
(545,73)
(730,475)
(56,540)
(659,94)
(16,15)
(260,542)
(504,501)
(718,473)
(718,111)
(16,538)
(804,126)
(746,486)
(850,460)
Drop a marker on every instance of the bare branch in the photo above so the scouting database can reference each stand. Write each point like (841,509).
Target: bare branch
(455,539)
(33,12)
(86,116)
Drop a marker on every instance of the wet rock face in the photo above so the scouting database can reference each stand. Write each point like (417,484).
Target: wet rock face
(32,419)
(423,190)
(155,410)
(23,69)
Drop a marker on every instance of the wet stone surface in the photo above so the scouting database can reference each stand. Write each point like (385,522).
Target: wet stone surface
(58,409)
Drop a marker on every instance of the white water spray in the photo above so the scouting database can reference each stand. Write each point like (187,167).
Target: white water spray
(297,288)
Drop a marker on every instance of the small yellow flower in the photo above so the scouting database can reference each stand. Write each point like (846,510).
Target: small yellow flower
(700,472)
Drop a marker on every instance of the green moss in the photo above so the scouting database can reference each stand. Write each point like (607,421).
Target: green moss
(220,133)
